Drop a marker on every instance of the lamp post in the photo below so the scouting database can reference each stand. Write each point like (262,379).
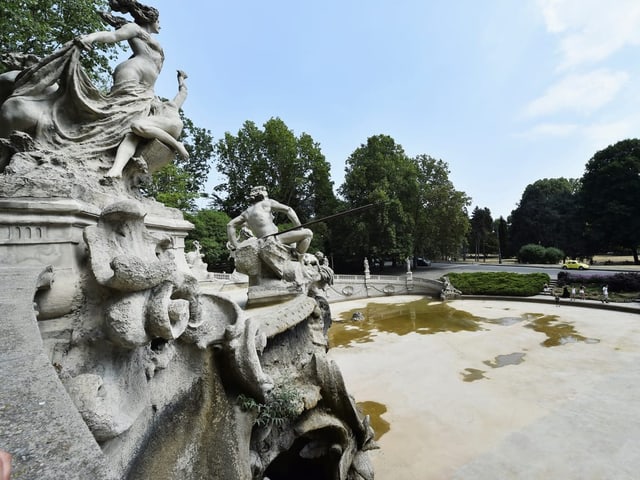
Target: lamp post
(498,235)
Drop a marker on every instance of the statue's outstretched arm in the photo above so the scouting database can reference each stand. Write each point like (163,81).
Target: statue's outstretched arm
(181,96)
(126,32)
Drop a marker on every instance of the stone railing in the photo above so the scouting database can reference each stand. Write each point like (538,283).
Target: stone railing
(349,287)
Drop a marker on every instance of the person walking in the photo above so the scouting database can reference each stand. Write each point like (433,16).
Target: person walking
(605,294)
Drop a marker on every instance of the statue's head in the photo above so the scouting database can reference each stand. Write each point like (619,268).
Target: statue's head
(142,14)
(258,193)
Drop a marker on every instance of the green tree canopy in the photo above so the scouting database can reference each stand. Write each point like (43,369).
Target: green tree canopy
(199,143)
(40,27)
(441,221)
(171,186)
(210,229)
(481,231)
(180,183)
(293,169)
(549,215)
(379,172)
(610,196)
(501,228)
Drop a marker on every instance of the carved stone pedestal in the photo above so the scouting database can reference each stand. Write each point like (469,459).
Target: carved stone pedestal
(38,232)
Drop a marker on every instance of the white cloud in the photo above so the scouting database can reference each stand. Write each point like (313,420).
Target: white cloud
(552,12)
(604,134)
(593,137)
(591,30)
(545,130)
(583,93)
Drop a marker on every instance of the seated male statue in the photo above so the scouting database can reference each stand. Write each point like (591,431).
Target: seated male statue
(258,218)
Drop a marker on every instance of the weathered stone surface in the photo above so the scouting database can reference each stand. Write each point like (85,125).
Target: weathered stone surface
(129,371)
(39,424)
(327,430)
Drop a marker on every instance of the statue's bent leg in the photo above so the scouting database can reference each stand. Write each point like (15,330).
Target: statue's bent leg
(20,113)
(126,150)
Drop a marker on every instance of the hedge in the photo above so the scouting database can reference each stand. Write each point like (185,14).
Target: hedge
(617,282)
(499,283)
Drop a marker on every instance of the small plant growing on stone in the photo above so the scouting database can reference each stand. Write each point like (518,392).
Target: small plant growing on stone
(282,404)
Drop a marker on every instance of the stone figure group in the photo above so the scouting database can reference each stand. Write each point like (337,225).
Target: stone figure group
(277,263)
(54,101)
(152,361)
(258,218)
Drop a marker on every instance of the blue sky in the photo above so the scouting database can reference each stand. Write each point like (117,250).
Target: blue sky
(505,91)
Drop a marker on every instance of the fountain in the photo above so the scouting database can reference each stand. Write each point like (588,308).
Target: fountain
(115,364)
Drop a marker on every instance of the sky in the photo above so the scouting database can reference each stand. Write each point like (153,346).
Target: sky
(506,92)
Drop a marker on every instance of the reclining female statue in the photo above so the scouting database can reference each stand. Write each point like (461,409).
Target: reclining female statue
(57,104)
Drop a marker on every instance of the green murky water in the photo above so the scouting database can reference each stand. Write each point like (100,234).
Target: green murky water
(375,411)
(429,317)
(420,316)
(472,374)
(557,332)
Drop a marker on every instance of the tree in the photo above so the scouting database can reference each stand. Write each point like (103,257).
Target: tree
(199,143)
(441,221)
(419,213)
(549,215)
(609,195)
(501,229)
(481,230)
(293,169)
(379,172)
(171,186)
(40,27)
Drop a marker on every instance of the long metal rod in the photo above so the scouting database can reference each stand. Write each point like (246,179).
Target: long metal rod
(330,217)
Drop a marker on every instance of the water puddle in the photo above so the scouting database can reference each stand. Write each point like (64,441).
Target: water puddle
(472,374)
(558,333)
(506,321)
(420,316)
(375,411)
(499,361)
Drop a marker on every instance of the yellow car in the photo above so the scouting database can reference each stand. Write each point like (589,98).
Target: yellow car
(574,265)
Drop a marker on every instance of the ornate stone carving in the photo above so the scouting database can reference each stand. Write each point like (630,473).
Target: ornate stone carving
(448,290)
(149,298)
(154,366)
(276,262)
(195,260)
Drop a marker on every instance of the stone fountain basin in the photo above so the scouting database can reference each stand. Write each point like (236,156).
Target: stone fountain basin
(498,402)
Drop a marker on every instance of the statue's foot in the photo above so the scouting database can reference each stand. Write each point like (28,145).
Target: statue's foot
(183,152)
